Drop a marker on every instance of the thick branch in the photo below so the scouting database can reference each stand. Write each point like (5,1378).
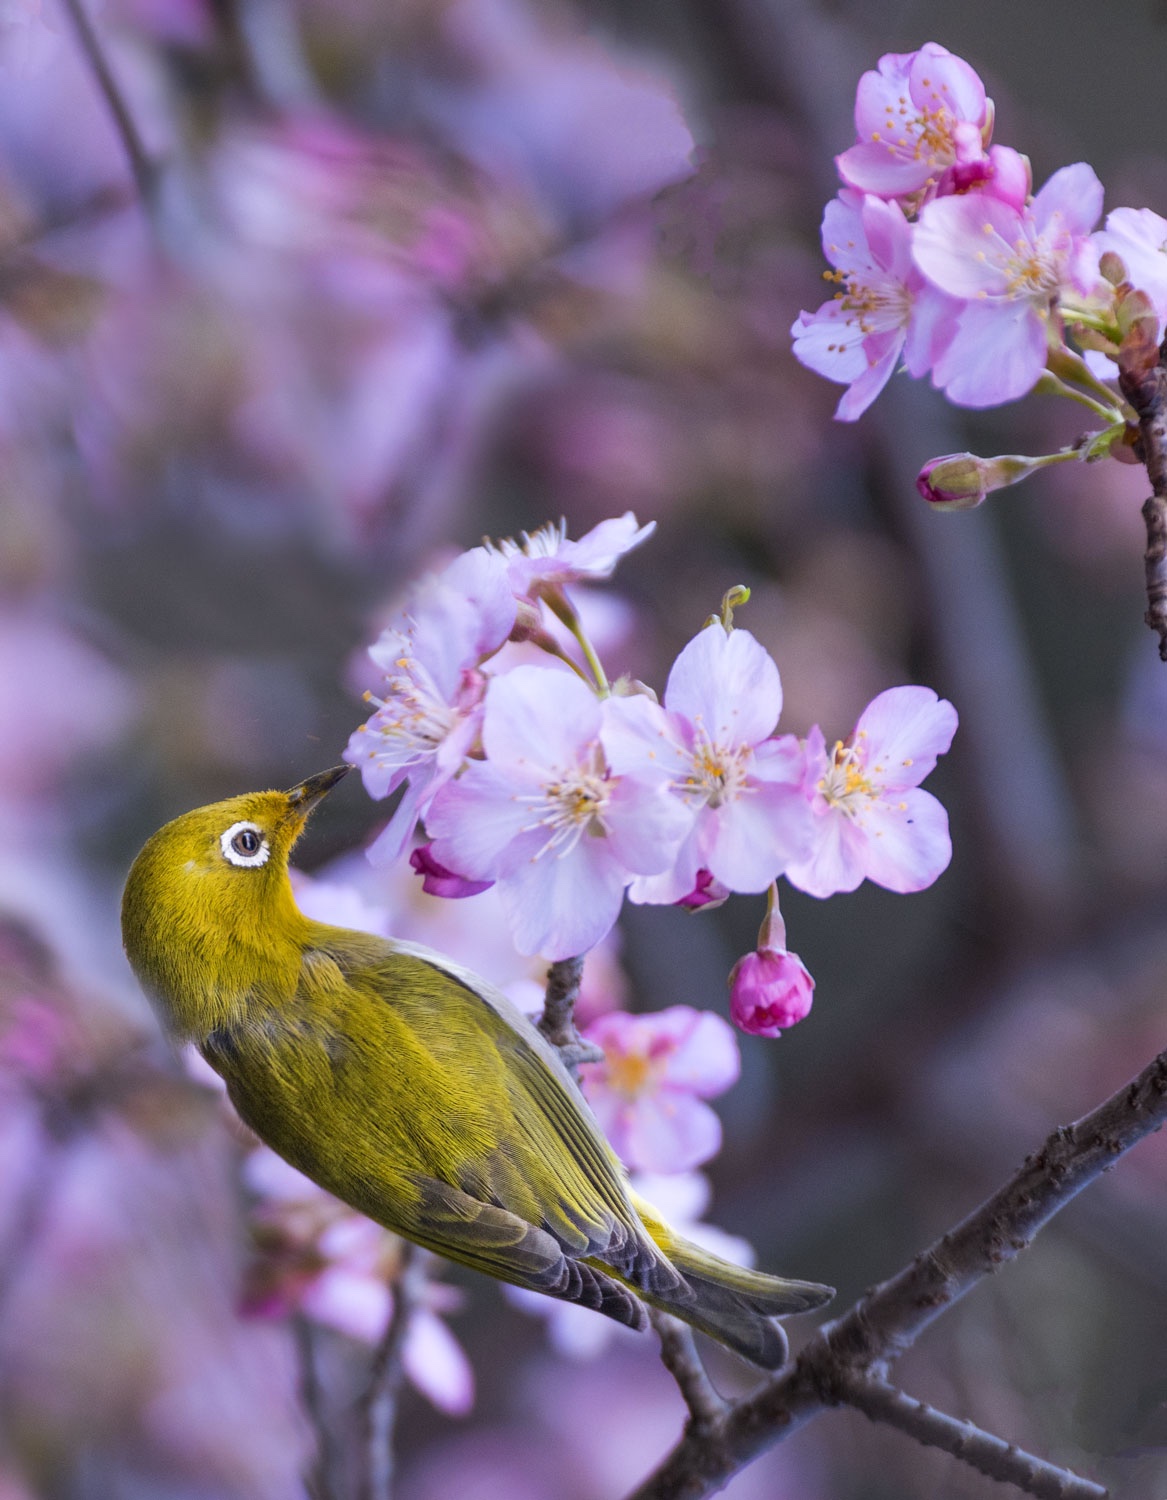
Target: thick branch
(1143,378)
(981,1450)
(888,1319)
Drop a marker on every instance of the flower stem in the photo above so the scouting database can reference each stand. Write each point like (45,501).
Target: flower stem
(563,609)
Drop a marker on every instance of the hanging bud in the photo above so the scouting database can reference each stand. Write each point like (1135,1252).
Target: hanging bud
(771,989)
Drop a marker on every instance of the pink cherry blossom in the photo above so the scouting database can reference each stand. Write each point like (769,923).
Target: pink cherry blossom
(648,1092)
(871,821)
(1139,236)
(739,789)
(884,305)
(770,990)
(917,115)
(548,558)
(548,818)
(431,712)
(1011,266)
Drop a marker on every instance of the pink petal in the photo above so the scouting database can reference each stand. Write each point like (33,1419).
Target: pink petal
(957,244)
(646,825)
(726,682)
(908,842)
(475,820)
(672,1132)
(864,390)
(560,908)
(830,342)
(938,77)
(906,729)
(538,718)
(997,354)
(356,1304)
(707,1061)
(754,837)
(1070,200)
(437,1365)
(837,859)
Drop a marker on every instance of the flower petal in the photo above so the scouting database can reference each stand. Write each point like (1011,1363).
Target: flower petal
(726,681)
(908,842)
(905,729)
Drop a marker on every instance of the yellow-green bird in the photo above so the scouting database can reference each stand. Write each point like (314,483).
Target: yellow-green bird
(408,1086)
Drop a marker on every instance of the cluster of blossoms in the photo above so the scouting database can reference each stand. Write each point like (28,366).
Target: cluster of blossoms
(566,792)
(945,258)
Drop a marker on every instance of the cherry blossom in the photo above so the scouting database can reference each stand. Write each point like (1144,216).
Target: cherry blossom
(648,1094)
(547,817)
(547,558)
(916,115)
(320,1258)
(884,305)
(1011,266)
(431,712)
(871,820)
(739,789)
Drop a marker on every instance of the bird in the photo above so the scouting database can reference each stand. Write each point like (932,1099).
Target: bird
(408,1086)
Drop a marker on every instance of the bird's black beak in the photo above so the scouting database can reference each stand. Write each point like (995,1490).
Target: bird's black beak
(303,798)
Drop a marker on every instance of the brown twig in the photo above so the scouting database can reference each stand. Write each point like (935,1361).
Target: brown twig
(989,1455)
(887,1320)
(321,1476)
(144,169)
(678,1352)
(557,1023)
(377,1408)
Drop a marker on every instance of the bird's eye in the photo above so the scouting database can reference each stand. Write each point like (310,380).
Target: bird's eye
(244,844)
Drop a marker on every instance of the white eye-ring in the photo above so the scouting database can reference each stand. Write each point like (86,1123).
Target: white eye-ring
(244,844)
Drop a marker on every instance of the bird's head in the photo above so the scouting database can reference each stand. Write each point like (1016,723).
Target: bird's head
(208,911)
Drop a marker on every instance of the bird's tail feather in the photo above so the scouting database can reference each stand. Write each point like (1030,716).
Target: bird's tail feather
(732,1304)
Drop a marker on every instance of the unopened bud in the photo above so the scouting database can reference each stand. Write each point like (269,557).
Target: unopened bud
(770,990)
(960,481)
(1112,267)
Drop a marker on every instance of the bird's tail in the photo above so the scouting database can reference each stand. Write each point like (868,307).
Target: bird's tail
(731,1304)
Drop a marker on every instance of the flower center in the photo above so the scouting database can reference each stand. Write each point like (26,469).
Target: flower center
(413,721)
(846,784)
(875,306)
(926,136)
(717,773)
(569,807)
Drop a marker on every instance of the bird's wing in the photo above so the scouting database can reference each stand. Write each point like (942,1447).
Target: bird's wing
(542,1157)
(489,1239)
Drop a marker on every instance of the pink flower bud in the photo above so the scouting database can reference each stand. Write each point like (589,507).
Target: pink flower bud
(960,481)
(769,991)
(438,881)
(706,892)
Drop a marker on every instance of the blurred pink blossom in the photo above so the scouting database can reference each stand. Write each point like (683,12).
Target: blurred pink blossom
(648,1092)
(547,558)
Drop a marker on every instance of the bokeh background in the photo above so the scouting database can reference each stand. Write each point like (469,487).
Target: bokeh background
(391,277)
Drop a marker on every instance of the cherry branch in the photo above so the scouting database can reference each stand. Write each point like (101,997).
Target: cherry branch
(144,170)
(679,1355)
(1143,380)
(378,1405)
(990,1455)
(557,1023)
(887,1320)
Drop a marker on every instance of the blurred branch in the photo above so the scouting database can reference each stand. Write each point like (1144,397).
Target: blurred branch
(990,1455)
(678,1352)
(557,1023)
(145,170)
(1143,379)
(377,1408)
(320,1481)
(887,1320)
